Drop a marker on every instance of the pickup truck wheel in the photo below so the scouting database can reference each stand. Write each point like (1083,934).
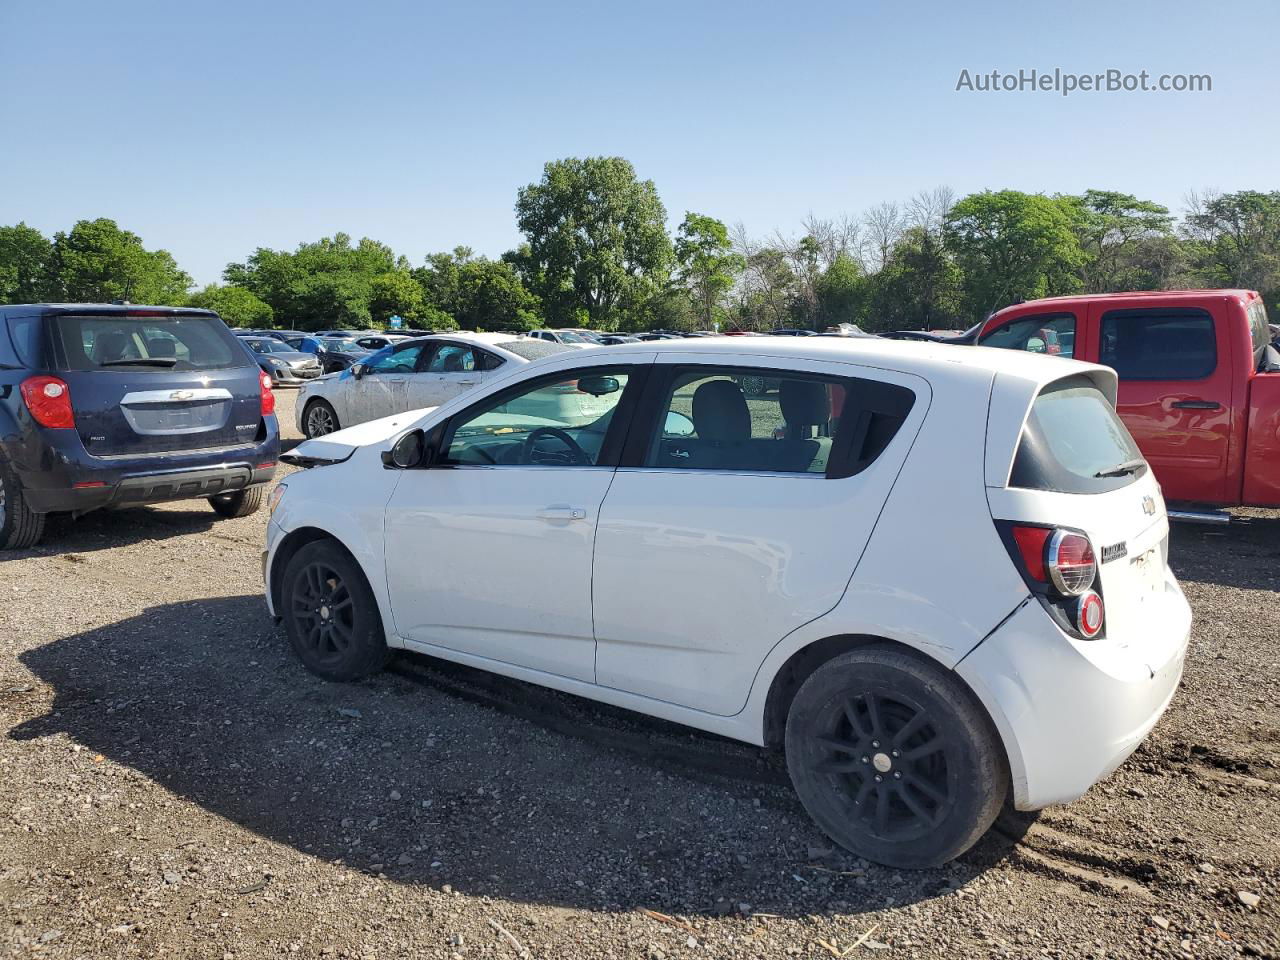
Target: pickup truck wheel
(319,419)
(331,615)
(20,527)
(894,759)
(241,503)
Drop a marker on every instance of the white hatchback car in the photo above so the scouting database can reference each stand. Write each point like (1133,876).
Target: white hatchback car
(936,577)
(414,373)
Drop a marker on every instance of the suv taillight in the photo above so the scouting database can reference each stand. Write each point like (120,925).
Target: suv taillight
(49,400)
(268,398)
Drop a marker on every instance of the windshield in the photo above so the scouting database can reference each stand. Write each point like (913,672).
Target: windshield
(1075,443)
(141,343)
(266,346)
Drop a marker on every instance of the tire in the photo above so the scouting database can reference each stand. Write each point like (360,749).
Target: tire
(20,527)
(330,614)
(239,503)
(894,759)
(754,386)
(325,419)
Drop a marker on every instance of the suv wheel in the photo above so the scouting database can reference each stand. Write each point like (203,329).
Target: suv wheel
(754,386)
(330,614)
(894,759)
(19,526)
(320,419)
(241,503)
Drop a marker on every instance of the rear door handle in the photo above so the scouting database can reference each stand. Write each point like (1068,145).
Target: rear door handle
(395,379)
(1196,405)
(467,383)
(562,513)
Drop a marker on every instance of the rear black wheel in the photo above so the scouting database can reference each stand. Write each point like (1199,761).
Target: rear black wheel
(20,527)
(319,419)
(239,503)
(894,759)
(331,615)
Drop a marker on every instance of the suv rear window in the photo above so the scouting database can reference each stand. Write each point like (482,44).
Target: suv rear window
(533,349)
(140,343)
(1072,441)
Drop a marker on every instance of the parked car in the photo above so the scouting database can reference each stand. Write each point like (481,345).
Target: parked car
(376,341)
(561,336)
(920,657)
(613,339)
(280,362)
(423,372)
(1199,382)
(107,405)
(792,332)
(333,353)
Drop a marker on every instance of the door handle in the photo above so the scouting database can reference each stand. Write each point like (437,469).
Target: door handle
(395,379)
(1196,405)
(467,383)
(562,513)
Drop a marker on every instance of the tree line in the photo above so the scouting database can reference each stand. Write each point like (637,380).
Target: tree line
(597,253)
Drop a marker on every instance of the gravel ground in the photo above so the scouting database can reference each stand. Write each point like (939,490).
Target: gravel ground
(173,784)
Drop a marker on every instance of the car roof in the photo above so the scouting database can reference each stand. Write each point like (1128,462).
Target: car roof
(103,308)
(1087,298)
(932,361)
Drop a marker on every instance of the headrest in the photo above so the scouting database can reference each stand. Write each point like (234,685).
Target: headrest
(720,412)
(804,403)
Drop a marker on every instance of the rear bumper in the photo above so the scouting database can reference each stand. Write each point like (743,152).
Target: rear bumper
(1071,711)
(63,477)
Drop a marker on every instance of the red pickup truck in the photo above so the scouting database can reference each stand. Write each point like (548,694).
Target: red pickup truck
(1199,381)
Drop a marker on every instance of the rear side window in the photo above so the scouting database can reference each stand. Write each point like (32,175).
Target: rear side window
(1159,344)
(1074,442)
(123,342)
(1054,334)
(1259,330)
(23,343)
(764,421)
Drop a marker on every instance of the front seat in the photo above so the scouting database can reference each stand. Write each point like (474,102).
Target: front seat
(110,345)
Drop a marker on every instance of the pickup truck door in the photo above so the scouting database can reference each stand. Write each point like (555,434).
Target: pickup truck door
(1175,367)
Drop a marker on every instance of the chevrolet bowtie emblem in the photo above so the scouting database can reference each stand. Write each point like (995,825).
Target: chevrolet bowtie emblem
(181,395)
(1149,506)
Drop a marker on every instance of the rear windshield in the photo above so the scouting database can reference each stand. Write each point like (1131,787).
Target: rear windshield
(138,343)
(1075,443)
(532,349)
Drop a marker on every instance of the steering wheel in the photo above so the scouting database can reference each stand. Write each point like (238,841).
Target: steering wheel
(572,456)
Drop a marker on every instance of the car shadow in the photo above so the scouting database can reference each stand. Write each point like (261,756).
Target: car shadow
(432,774)
(1243,554)
(107,529)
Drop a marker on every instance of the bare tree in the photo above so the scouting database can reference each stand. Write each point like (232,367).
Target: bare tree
(882,226)
(835,237)
(928,209)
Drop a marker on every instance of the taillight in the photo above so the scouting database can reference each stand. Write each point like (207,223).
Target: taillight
(1070,562)
(1089,615)
(268,398)
(1030,541)
(49,400)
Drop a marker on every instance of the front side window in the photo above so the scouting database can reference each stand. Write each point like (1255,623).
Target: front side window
(560,422)
(452,358)
(1159,344)
(1053,334)
(395,361)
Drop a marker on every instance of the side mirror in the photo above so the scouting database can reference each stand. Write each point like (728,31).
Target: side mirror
(599,386)
(358,370)
(677,425)
(408,452)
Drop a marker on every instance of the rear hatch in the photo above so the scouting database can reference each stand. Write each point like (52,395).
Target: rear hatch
(157,381)
(1077,469)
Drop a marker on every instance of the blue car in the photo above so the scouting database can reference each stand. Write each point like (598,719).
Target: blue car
(107,405)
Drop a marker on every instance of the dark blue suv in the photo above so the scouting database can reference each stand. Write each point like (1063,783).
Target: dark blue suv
(118,405)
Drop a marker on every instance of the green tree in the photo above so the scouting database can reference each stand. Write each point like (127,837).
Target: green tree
(919,287)
(708,265)
(1113,228)
(1013,246)
(328,283)
(395,294)
(841,293)
(1235,240)
(97,261)
(236,305)
(24,257)
(597,239)
(478,293)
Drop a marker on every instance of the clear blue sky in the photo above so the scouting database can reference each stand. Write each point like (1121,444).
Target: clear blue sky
(213,128)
